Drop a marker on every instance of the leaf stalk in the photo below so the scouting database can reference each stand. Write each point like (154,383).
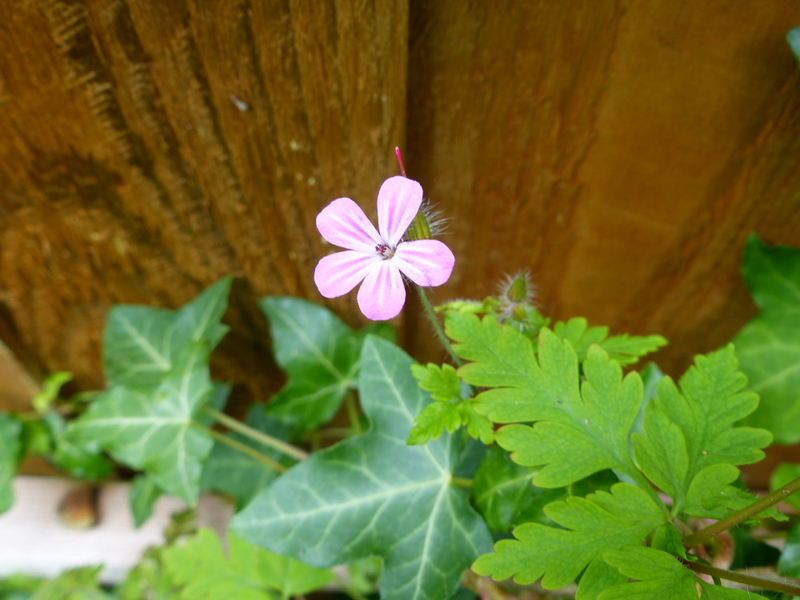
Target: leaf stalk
(256,435)
(759,583)
(747,512)
(244,449)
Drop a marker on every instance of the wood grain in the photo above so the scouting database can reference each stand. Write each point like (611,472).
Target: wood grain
(152,147)
(620,151)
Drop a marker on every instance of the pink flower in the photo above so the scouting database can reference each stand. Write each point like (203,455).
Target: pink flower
(378,257)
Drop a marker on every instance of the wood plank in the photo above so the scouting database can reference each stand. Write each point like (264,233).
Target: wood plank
(151,148)
(620,151)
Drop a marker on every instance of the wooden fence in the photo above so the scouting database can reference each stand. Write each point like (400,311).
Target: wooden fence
(618,150)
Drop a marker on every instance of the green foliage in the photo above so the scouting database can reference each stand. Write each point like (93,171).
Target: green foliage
(149,580)
(584,415)
(789,563)
(375,495)
(660,577)
(82,461)
(689,433)
(602,521)
(142,498)
(504,495)
(624,349)
(19,587)
(231,472)
(200,567)
(793,37)
(10,455)
(783,474)
(769,345)
(320,355)
(51,387)
(156,363)
(77,584)
(452,409)
(579,432)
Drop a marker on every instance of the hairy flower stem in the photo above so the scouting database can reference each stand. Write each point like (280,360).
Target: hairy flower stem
(254,454)
(256,435)
(747,512)
(750,580)
(426,304)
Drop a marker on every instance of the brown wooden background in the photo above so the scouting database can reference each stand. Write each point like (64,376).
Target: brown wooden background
(619,150)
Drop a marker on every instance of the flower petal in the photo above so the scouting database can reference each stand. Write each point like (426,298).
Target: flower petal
(382,295)
(337,274)
(343,223)
(425,262)
(399,200)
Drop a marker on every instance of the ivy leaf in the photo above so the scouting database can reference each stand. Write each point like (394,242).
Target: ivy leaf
(80,461)
(504,495)
(789,563)
(660,577)
(783,474)
(320,355)
(769,345)
(142,344)
(153,431)
(229,471)
(793,38)
(580,431)
(142,498)
(375,495)
(10,455)
(156,362)
(591,526)
(624,349)
(250,573)
(690,429)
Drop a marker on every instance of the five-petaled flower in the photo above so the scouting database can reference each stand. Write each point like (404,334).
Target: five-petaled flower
(379,257)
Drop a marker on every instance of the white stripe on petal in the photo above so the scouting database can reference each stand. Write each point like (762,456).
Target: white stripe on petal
(382,295)
(399,200)
(343,223)
(337,274)
(425,262)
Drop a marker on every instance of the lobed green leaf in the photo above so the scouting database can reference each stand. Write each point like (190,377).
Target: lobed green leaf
(320,355)
(375,495)
(591,526)
(249,573)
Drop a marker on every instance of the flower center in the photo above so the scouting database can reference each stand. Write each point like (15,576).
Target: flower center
(385,251)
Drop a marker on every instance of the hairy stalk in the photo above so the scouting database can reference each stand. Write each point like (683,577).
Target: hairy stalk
(750,580)
(266,460)
(747,512)
(256,435)
(426,304)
